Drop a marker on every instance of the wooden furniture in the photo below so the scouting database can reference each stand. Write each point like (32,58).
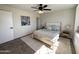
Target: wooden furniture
(66,34)
(47,41)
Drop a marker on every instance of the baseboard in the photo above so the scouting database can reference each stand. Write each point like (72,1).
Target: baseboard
(23,36)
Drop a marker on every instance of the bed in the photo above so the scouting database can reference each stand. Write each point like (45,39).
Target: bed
(49,34)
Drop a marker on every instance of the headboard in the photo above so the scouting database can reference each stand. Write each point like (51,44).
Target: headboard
(54,23)
(51,23)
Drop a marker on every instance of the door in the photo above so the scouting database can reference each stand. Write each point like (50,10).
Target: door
(6,26)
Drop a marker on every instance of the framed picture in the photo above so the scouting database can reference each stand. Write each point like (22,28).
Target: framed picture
(25,20)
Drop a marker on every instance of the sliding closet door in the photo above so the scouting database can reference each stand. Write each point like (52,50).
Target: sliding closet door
(6,26)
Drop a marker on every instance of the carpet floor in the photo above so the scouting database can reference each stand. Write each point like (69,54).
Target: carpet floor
(16,46)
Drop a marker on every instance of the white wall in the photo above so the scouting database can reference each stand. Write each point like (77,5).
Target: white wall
(76,34)
(63,16)
(18,29)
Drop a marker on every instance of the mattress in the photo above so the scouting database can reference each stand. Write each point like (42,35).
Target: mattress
(46,35)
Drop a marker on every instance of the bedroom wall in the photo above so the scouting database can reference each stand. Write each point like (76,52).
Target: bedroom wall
(66,17)
(18,29)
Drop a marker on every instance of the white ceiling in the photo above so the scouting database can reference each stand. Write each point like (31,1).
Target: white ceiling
(54,7)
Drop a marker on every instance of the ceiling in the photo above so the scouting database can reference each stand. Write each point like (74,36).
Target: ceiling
(54,7)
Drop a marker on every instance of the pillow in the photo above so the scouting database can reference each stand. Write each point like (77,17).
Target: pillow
(55,28)
(49,28)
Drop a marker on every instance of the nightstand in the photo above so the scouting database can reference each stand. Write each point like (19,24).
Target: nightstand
(66,34)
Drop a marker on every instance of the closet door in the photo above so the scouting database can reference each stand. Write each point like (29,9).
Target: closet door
(6,26)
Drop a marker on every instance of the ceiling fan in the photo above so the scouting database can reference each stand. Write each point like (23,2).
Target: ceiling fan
(41,8)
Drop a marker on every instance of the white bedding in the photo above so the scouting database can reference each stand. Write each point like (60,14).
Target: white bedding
(46,35)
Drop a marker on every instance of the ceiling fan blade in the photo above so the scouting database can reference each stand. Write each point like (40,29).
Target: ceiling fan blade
(35,10)
(47,9)
(34,7)
(44,6)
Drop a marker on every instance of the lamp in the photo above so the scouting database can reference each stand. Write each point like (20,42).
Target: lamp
(68,27)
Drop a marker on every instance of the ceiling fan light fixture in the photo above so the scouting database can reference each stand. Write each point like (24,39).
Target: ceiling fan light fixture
(40,12)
